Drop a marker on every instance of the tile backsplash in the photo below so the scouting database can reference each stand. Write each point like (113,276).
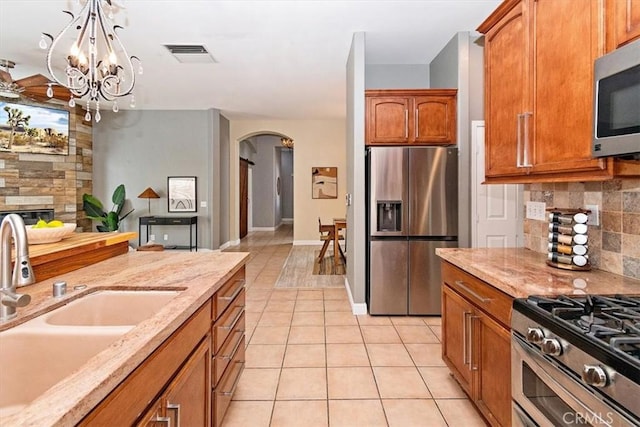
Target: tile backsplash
(614,245)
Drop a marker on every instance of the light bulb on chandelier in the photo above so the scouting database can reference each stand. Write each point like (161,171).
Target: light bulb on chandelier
(88,58)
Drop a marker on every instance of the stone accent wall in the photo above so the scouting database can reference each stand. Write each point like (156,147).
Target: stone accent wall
(41,181)
(614,246)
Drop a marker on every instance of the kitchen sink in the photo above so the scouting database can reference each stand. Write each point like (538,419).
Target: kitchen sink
(43,351)
(110,308)
(36,358)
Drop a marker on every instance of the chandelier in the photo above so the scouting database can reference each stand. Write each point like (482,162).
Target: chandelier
(287,142)
(88,58)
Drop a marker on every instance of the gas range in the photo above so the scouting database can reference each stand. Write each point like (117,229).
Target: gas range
(590,342)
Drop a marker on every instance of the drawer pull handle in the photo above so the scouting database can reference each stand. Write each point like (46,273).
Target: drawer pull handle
(235,348)
(158,419)
(235,319)
(236,293)
(472,365)
(235,383)
(474,294)
(174,407)
(466,359)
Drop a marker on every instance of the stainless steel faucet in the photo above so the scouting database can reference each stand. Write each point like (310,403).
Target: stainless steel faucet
(13,226)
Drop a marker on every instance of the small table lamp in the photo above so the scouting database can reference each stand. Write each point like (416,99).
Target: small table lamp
(148,194)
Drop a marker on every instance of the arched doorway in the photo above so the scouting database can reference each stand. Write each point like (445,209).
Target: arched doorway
(265,190)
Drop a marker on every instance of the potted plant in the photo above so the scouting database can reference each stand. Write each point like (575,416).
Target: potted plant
(110,220)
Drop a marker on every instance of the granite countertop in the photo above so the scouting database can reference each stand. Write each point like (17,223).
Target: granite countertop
(521,272)
(200,274)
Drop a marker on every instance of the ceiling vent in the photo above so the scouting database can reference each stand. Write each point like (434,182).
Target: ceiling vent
(190,53)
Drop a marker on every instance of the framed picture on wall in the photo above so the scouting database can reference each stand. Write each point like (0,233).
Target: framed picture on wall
(324,182)
(182,195)
(33,129)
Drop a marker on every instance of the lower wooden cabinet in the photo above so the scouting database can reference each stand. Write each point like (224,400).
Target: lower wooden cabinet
(189,380)
(476,341)
(186,399)
(228,347)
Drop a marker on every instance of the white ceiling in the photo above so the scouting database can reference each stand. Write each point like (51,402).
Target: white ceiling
(275,59)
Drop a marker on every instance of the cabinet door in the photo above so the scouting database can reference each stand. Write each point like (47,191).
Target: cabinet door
(456,330)
(387,120)
(492,362)
(623,22)
(434,120)
(567,41)
(189,395)
(506,92)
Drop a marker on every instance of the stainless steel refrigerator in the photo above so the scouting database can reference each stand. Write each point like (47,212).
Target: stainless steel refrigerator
(412,194)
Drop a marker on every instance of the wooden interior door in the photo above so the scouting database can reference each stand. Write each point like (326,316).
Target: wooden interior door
(244,196)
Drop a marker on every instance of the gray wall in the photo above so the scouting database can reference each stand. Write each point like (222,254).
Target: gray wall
(286,183)
(396,76)
(277,198)
(141,148)
(271,161)
(460,65)
(263,181)
(356,246)
(225,177)
(247,149)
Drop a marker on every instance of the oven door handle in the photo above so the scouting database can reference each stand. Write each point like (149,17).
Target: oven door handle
(547,372)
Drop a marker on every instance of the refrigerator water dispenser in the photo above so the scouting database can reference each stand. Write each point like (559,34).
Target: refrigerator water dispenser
(389,215)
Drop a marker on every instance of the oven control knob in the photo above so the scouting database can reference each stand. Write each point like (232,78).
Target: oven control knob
(594,375)
(535,335)
(551,346)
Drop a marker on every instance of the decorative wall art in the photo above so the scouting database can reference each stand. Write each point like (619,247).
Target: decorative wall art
(324,182)
(33,129)
(182,194)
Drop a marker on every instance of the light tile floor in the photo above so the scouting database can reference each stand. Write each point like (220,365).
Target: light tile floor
(310,362)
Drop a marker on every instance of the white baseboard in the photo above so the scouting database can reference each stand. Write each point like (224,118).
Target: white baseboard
(356,308)
(308,242)
(263,229)
(225,245)
(287,220)
(231,243)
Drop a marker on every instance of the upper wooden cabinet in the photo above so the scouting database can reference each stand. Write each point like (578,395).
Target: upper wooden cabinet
(623,22)
(539,58)
(419,117)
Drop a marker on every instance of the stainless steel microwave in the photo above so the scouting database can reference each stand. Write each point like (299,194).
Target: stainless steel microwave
(616,103)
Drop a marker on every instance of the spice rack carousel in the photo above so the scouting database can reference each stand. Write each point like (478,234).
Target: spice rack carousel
(568,239)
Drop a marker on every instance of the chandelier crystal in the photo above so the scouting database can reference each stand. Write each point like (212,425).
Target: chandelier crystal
(88,58)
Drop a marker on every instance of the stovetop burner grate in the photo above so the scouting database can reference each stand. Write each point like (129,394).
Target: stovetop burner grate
(612,320)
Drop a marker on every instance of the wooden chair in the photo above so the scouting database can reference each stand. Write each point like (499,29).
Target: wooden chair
(327,233)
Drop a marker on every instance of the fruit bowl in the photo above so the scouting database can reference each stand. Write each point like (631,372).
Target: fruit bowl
(37,236)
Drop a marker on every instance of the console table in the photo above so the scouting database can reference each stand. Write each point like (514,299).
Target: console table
(191,221)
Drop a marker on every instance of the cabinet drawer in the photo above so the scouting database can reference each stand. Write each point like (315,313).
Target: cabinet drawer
(494,302)
(231,346)
(233,317)
(152,376)
(228,293)
(226,387)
